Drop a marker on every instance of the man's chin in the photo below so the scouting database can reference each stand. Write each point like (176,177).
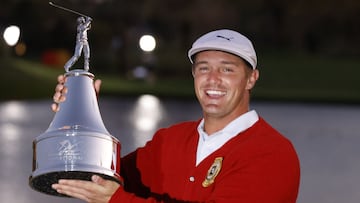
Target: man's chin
(212,110)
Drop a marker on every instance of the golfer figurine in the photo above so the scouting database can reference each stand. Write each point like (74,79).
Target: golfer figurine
(82,45)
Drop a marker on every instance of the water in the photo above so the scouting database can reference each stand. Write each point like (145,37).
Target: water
(326,138)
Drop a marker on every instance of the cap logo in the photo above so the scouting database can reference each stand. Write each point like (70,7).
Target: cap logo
(227,38)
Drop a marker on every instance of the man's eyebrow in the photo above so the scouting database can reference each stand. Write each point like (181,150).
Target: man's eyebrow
(200,62)
(229,62)
(226,62)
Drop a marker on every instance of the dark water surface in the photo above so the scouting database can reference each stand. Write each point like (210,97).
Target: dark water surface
(326,138)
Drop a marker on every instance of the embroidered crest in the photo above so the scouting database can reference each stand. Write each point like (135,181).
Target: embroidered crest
(212,172)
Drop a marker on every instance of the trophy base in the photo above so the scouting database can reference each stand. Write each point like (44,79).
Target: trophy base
(42,183)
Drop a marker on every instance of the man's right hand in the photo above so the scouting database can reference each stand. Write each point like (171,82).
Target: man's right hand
(61,90)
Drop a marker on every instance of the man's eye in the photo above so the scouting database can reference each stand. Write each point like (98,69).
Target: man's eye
(227,70)
(202,69)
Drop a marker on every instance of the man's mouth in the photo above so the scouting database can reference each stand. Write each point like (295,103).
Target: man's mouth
(215,93)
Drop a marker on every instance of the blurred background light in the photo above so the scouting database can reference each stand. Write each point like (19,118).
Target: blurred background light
(11,35)
(148,112)
(147,43)
(140,72)
(20,49)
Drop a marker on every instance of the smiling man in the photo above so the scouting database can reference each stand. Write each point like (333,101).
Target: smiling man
(231,155)
(222,85)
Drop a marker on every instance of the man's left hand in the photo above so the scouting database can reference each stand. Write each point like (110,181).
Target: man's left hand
(98,190)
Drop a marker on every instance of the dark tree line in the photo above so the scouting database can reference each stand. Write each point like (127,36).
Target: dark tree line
(328,27)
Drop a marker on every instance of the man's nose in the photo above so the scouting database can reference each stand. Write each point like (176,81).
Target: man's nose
(214,76)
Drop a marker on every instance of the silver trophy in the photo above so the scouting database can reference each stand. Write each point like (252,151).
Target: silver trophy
(76,145)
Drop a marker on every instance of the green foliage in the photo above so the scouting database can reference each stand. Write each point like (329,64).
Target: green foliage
(26,80)
(22,79)
(308,78)
(283,76)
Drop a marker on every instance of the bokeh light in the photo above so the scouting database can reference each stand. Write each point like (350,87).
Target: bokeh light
(11,35)
(147,43)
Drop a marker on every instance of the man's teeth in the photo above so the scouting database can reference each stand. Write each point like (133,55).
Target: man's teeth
(215,92)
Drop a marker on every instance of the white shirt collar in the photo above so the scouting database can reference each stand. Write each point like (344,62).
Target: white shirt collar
(210,143)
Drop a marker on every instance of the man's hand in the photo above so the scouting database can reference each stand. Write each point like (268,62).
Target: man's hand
(98,190)
(61,90)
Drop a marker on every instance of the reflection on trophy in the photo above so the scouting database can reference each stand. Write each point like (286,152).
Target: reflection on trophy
(76,145)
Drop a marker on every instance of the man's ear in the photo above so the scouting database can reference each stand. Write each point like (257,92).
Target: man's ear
(253,77)
(193,71)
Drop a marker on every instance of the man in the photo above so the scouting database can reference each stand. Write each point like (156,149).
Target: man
(230,155)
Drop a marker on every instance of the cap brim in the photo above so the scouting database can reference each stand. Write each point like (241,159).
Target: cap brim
(194,51)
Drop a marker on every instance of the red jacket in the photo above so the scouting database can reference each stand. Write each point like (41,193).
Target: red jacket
(257,166)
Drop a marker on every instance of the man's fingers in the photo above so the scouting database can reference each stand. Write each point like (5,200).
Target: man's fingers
(100,181)
(79,185)
(96,190)
(55,107)
(97,179)
(61,79)
(77,188)
(61,88)
(97,85)
(71,191)
(108,186)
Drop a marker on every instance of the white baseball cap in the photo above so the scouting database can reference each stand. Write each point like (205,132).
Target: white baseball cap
(228,41)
